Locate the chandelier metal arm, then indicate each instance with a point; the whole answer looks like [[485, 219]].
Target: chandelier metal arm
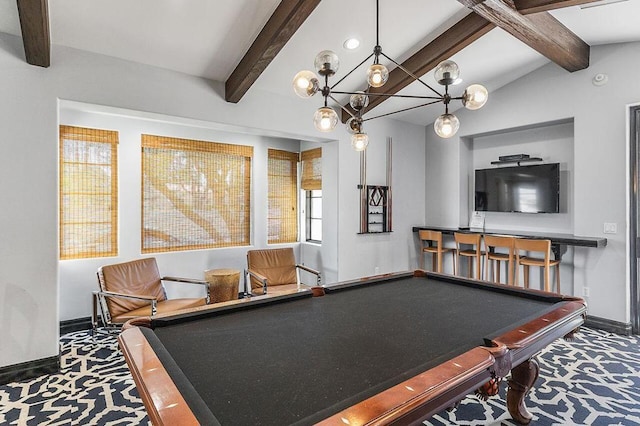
[[389, 95], [354, 68], [342, 107], [402, 110], [412, 75]]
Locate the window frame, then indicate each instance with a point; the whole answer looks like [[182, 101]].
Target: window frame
[[309, 196]]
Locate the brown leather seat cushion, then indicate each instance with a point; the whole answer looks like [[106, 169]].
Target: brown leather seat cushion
[[280, 289], [168, 305]]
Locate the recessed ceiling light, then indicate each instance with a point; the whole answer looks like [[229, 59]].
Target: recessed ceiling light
[[351, 43]]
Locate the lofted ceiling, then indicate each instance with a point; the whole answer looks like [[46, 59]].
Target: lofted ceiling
[[496, 41]]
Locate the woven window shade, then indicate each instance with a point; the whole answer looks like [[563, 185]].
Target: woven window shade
[[311, 169], [88, 193], [195, 194], [283, 197]]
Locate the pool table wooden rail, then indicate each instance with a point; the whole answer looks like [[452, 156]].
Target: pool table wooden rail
[[164, 403]]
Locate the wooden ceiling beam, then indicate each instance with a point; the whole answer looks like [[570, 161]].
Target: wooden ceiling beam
[[280, 27], [540, 31], [527, 7], [34, 24], [460, 35]]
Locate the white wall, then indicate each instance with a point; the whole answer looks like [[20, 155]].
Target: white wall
[[29, 287], [361, 254], [549, 95]]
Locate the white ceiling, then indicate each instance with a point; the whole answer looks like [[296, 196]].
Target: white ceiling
[[208, 38]]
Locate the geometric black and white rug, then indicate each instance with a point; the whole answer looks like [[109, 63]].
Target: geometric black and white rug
[[592, 380], [94, 387]]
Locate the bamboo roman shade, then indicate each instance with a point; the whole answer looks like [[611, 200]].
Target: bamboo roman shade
[[88, 192], [283, 196], [311, 169], [195, 194]]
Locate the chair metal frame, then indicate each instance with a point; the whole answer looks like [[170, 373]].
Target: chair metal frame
[[104, 323], [248, 273]]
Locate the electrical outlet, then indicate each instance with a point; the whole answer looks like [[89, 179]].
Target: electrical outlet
[[585, 291], [376, 270], [610, 228]]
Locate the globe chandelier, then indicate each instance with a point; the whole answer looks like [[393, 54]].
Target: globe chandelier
[[306, 84]]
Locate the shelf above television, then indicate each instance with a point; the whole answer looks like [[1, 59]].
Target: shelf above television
[[522, 160]]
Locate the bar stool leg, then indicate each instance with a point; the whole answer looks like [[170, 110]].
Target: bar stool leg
[[526, 276], [510, 271], [558, 278], [547, 279]]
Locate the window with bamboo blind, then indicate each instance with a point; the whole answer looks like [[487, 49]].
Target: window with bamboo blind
[[312, 185], [283, 196], [195, 194], [88, 192]]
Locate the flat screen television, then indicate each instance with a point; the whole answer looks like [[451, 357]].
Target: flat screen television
[[522, 189]]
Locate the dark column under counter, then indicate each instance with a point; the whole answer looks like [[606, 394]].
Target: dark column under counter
[[559, 242]]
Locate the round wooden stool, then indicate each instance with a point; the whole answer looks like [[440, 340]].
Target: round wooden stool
[[223, 284]]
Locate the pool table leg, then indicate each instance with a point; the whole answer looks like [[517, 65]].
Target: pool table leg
[[522, 378]]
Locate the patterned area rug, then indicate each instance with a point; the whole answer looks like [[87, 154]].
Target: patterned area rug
[[592, 380]]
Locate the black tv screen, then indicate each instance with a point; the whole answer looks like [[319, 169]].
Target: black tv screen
[[522, 189]]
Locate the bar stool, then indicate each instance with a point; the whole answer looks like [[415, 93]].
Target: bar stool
[[431, 242], [540, 246], [476, 252], [492, 242]]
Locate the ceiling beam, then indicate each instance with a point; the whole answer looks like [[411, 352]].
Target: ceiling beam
[[460, 35], [34, 24], [540, 31], [526, 7], [280, 27]]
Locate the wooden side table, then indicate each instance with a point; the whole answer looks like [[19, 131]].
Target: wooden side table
[[223, 284]]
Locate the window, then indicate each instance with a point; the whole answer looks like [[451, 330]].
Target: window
[[283, 196], [313, 216], [312, 185], [195, 194], [88, 193]]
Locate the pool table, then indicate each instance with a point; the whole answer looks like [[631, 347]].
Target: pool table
[[391, 349]]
